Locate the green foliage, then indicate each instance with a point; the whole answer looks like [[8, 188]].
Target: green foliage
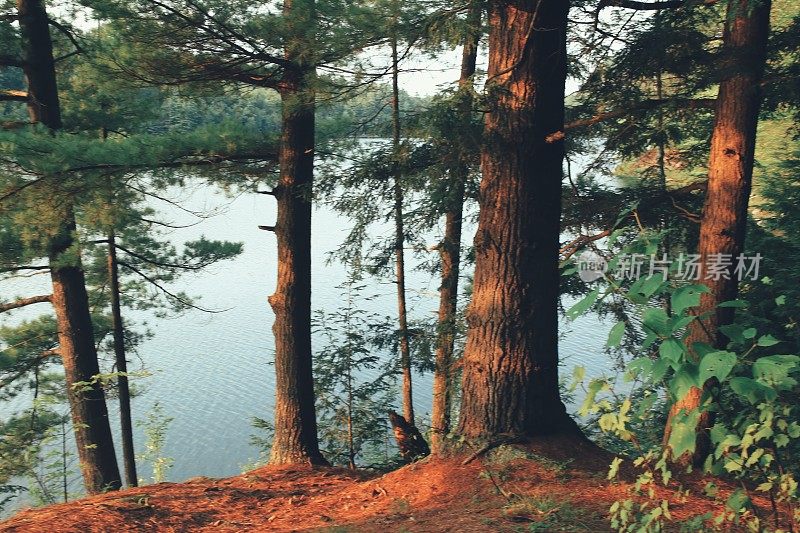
[[155, 426], [751, 389], [354, 385]]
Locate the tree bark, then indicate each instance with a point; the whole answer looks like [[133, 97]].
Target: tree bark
[[123, 388], [79, 356], [450, 248], [70, 301], [38, 64], [510, 376], [410, 442], [730, 173], [399, 242], [295, 440]]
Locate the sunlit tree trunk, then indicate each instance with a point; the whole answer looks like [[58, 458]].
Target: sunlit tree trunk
[[450, 248], [76, 346], [510, 370], [730, 173], [295, 439]]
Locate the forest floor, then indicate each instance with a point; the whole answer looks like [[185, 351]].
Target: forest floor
[[508, 489]]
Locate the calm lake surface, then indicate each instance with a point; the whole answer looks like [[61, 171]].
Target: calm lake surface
[[212, 373]]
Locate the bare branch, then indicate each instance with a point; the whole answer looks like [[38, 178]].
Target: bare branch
[[22, 302], [682, 103], [176, 297]]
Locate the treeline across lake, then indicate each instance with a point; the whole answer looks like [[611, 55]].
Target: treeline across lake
[[109, 104]]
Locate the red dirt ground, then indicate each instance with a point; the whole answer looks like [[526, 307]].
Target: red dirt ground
[[509, 489]]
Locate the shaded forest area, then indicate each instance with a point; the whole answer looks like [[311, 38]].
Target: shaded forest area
[[630, 160]]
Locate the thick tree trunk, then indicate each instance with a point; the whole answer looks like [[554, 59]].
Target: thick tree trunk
[[450, 248], [70, 301], [295, 439], [123, 389], [730, 173], [79, 357], [38, 64], [399, 242], [510, 376]]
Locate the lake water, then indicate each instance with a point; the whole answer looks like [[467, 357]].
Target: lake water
[[212, 373]]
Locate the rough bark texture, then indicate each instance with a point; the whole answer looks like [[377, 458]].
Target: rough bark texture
[[123, 389], [399, 242], [38, 64], [90, 422], [730, 172], [510, 376], [79, 356], [450, 249], [295, 439]]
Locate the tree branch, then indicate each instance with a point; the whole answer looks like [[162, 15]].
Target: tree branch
[[647, 105], [11, 95], [18, 268], [177, 298], [22, 302]]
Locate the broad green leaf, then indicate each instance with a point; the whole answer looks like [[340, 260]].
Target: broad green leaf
[[733, 331], [752, 390], [767, 340], [775, 368], [672, 349], [583, 305], [716, 364], [679, 322], [683, 434], [686, 297], [702, 348], [684, 379], [738, 500], [641, 365], [615, 335], [749, 333], [656, 320]]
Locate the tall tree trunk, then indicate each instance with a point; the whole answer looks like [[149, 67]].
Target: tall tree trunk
[[70, 301], [123, 389], [510, 376], [730, 173], [295, 438], [38, 64], [399, 242], [79, 356], [450, 248]]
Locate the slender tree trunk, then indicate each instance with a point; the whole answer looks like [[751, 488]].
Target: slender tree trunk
[[730, 173], [510, 376], [351, 450], [123, 389], [70, 300], [295, 438], [399, 242], [450, 248]]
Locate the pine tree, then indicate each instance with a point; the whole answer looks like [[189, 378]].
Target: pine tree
[[510, 369]]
